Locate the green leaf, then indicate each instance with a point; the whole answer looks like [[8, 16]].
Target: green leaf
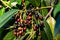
[[35, 2], [56, 10], [44, 12], [51, 21], [48, 31], [26, 3], [19, 1], [2, 11], [9, 35], [4, 18]]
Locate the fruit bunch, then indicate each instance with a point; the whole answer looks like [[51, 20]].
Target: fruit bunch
[[29, 20], [21, 25]]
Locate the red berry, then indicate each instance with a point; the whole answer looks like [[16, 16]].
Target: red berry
[[15, 33], [24, 21], [18, 20], [24, 28], [35, 28], [29, 22], [40, 17], [20, 32], [0, 6], [29, 17]]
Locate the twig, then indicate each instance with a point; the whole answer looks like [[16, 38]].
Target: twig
[[49, 13], [4, 3]]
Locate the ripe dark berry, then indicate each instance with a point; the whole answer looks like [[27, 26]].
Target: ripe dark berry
[[24, 28], [24, 21], [0, 6], [29, 22], [33, 12], [18, 20], [22, 34], [21, 25], [36, 16], [40, 17], [35, 28]]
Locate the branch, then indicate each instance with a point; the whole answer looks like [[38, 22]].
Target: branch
[[49, 13]]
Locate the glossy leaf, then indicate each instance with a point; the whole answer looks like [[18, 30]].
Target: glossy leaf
[[56, 10], [4, 18], [51, 21]]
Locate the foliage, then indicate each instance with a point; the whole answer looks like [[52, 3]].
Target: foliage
[[50, 30]]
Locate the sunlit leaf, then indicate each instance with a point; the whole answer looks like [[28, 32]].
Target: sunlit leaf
[[2, 11], [51, 21]]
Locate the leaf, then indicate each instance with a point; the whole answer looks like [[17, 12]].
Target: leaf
[[57, 26], [9, 35], [48, 31], [2, 11], [44, 12], [26, 3], [35, 2], [4, 18], [51, 21], [19, 1], [58, 37], [56, 10]]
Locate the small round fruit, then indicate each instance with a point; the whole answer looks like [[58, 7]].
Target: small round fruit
[[35, 28], [18, 20], [0, 6], [29, 22], [39, 33], [15, 33], [29, 17], [24, 28], [25, 21], [36, 16], [20, 32], [40, 17], [19, 28]]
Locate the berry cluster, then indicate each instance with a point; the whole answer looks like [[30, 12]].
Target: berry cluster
[[20, 24]]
